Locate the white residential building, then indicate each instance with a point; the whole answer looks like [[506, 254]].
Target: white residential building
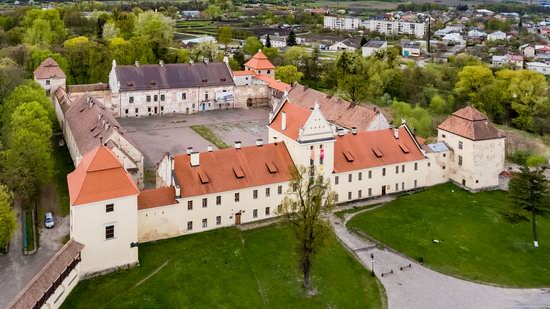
[[372, 47], [540, 67], [341, 23], [497, 35], [395, 27]]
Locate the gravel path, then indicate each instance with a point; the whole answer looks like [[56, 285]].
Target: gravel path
[[420, 287]]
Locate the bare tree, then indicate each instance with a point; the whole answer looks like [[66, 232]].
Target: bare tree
[[308, 199]]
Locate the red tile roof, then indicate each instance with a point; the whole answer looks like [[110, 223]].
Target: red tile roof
[[157, 197], [470, 123], [273, 83], [259, 62], [374, 148], [296, 117], [243, 73], [48, 69], [336, 110], [99, 176], [233, 169]]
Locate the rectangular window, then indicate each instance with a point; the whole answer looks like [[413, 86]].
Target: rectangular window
[[415, 183], [109, 232], [255, 194], [360, 194], [360, 176], [267, 192], [206, 96], [126, 111], [397, 169], [416, 166], [47, 82], [349, 195], [204, 202], [460, 160], [137, 111], [255, 213], [336, 197], [204, 223], [370, 191], [370, 174], [148, 109], [189, 225], [396, 187], [280, 190], [218, 220], [403, 186], [156, 97], [189, 205], [131, 100], [218, 200], [280, 208], [336, 180], [109, 207], [184, 96], [267, 211], [443, 135], [162, 97], [350, 177], [384, 171], [460, 145], [237, 197], [148, 98], [403, 168]]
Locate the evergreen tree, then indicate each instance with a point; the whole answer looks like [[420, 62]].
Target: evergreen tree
[[267, 42], [291, 39], [529, 191]]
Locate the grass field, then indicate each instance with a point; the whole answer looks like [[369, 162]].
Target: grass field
[[231, 269], [63, 166], [476, 241], [208, 135]]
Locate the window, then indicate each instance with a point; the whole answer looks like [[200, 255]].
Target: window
[[370, 191], [396, 187], [109, 232], [397, 169], [336, 197], [460, 160], [255, 213], [206, 96], [47, 82], [350, 177], [162, 108], [189, 205], [131, 100], [267, 211], [204, 223], [237, 197], [280, 208], [204, 202], [268, 71], [443, 135], [360, 194], [126, 111], [403, 168], [429, 164], [415, 183], [156, 97], [349, 195], [384, 171], [460, 145], [294, 187], [148, 109], [444, 155], [137, 111], [109, 207], [189, 225], [148, 98], [162, 97], [218, 220], [184, 96], [370, 174], [267, 192], [280, 190], [402, 186], [218, 200], [255, 194], [360, 176], [416, 166]]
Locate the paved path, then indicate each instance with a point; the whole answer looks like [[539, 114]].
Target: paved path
[[420, 287], [16, 269]]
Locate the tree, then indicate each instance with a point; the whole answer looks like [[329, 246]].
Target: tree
[[529, 191], [417, 118], [363, 41], [213, 12], [267, 41], [252, 45], [155, 26], [8, 221], [225, 35], [472, 83], [303, 210], [43, 27], [110, 31], [527, 89], [295, 56], [11, 75], [291, 39], [288, 74], [352, 88]]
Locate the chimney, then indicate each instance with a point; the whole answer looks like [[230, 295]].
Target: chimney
[[225, 59], [161, 63], [270, 116], [189, 150], [283, 121], [354, 130], [238, 145], [259, 142], [195, 158], [209, 148], [136, 63], [275, 140], [340, 132], [191, 61], [178, 192], [205, 60], [316, 106], [396, 133], [403, 120]]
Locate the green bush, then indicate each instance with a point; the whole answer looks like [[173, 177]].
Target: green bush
[[536, 160]]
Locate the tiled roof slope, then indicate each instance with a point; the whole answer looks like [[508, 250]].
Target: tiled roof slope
[[99, 176], [470, 123], [176, 75], [157, 197], [273, 83], [336, 110], [48, 69], [296, 117], [233, 169], [47, 276], [374, 148], [259, 62]]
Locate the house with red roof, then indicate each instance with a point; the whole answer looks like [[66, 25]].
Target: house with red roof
[[50, 76]]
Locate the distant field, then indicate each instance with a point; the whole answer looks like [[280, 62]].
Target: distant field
[[390, 5]]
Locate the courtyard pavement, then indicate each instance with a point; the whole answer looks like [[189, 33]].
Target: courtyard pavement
[[156, 135], [16, 269], [420, 287]]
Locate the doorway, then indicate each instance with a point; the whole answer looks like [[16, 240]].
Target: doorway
[[383, 190], [187, 110], [464, 182], [238, 218]]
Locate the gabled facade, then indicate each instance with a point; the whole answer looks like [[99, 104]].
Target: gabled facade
[[50, 76], [260, 64]]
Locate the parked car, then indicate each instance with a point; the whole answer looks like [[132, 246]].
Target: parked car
[[48, 220]]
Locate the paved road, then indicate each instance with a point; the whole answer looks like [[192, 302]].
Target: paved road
[[423, 288], [16, 269]]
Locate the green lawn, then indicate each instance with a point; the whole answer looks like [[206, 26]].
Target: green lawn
[[29, 231], [476, 241], [208, 135], [229, 268], [63, 166]]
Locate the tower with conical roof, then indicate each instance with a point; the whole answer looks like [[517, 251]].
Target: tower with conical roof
[[260, 64]]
